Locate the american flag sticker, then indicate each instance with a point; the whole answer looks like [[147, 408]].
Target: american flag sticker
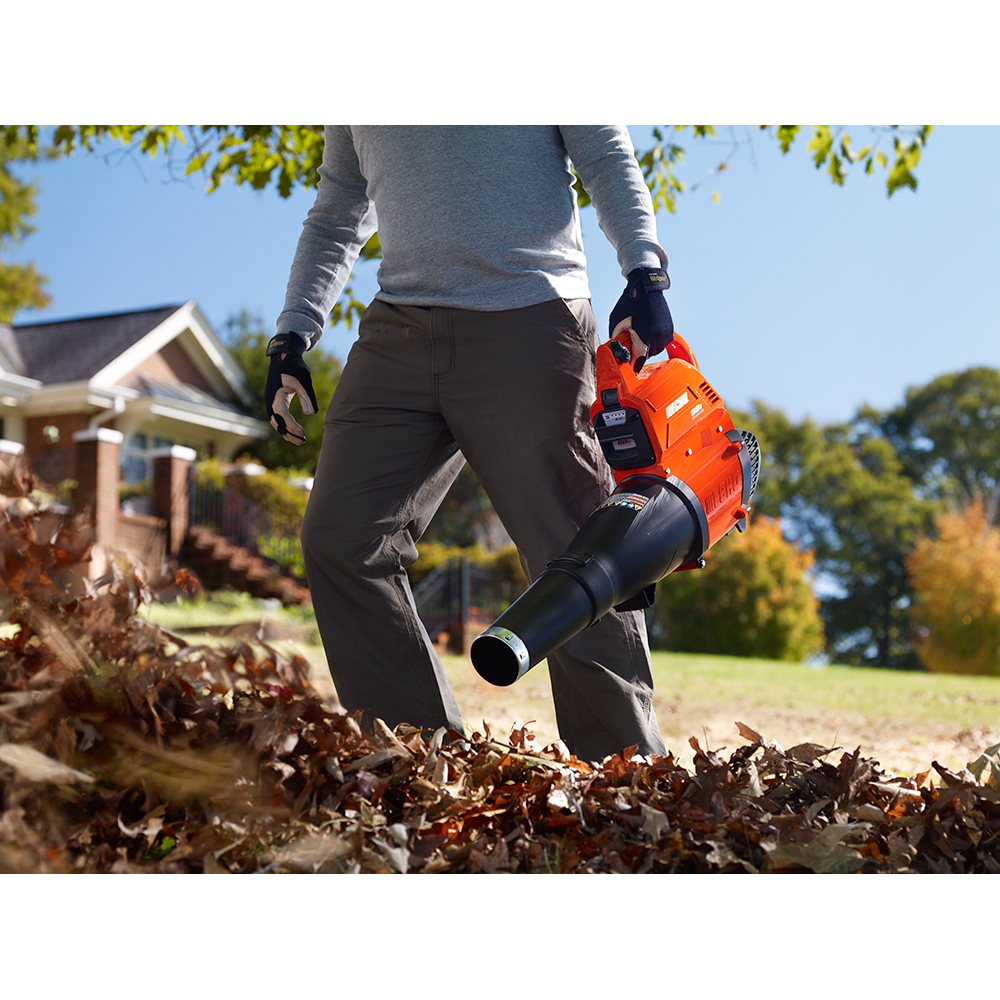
[[634, 500]]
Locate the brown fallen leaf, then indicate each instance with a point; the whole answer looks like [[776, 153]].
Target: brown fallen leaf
[[808, 752], [35, 766], [750, 735]]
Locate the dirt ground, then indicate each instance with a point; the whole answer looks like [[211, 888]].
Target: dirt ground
[[900, 748]]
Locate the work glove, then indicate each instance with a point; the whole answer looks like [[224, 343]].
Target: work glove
[[287, 377], [642, 309]]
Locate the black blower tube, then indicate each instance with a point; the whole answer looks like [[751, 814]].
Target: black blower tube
[[644, 530]]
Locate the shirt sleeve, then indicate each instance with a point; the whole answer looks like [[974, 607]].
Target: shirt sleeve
[[338, 225], [604, 158]]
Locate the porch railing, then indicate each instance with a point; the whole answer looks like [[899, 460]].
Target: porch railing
[[244, 523]]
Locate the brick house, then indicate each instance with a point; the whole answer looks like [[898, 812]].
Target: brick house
[[122, 399]]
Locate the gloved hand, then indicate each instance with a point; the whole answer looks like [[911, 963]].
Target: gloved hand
[[642, 309], [287, 377]]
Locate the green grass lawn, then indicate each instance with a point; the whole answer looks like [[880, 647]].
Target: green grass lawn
[[224, 609], [903, 719], [882, 696]]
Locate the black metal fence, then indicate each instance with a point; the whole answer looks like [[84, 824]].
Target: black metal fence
[[457, 592]]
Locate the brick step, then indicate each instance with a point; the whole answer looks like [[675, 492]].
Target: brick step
[[219, 563]]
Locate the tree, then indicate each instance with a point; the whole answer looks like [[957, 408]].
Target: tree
[[947, 435], [289, 156], [956, 583], [247, 339], [860, 489], [847, 497], [751, 599], [20, 284]]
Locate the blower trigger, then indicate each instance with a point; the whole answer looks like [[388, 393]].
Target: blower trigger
[[639, 602]]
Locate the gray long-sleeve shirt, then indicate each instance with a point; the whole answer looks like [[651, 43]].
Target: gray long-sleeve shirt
[[478, 217]]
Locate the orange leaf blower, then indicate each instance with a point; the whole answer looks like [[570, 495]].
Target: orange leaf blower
[[685, 477]]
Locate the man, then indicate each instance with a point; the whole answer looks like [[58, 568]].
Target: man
[[479, 346]]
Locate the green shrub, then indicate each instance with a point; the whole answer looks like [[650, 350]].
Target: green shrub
[[284, 505], [285, 550], [751, 599], [209, 473], [272, 492]]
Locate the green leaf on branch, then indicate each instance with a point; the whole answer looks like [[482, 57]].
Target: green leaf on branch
[[20, 284], [196, 163], [582, 198], [836, 170], [659, 165], [821, 144], [288, 157], [21, 288], [785, 135], [907, 158], [372, 250], [347, 308]]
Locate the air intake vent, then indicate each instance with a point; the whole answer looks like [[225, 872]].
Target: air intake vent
[[753, 450], [709, 393]]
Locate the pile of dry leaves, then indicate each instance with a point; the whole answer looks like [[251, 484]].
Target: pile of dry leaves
[[124, 748]]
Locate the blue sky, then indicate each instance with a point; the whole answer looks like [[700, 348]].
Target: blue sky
[[812, 298]]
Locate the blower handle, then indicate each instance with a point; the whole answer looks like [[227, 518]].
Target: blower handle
[[677, 348]]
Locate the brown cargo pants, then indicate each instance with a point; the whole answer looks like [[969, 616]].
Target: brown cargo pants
[[423, 390]]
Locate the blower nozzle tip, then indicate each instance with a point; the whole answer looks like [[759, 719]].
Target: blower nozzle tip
[[499, 656]]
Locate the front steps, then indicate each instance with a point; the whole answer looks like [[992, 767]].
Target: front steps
[[219, 563]]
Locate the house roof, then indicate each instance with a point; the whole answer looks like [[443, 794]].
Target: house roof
[[10, 354], [74, 350], [184, 393]]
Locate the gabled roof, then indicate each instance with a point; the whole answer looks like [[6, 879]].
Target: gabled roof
[[10, 354], [12, 382], [99, 352], [74, 350]]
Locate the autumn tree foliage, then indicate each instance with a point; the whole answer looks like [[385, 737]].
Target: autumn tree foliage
[[956, 583], [752, 599]]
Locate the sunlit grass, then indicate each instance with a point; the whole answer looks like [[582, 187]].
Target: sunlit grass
[[223, 609], [881, 695]]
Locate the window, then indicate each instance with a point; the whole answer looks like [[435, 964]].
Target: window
[[134, 460]]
